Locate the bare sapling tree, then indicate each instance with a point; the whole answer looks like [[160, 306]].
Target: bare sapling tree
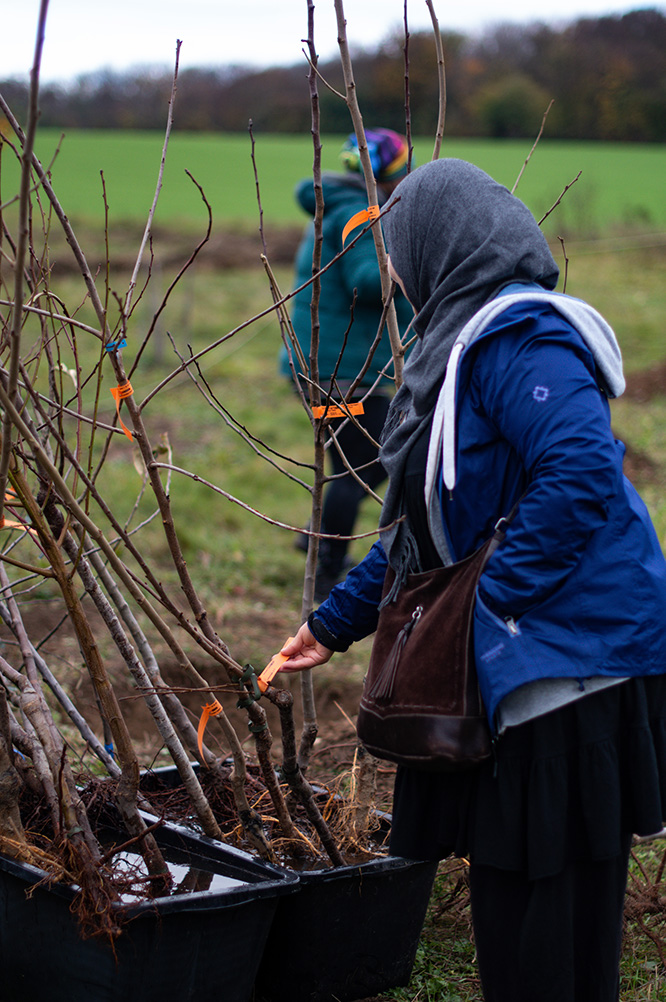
[[306, 371], [61, 533]]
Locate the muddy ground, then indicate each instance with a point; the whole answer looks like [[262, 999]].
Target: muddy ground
[[337, 693]]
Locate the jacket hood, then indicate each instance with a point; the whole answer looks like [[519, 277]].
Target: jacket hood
[[336, 189]]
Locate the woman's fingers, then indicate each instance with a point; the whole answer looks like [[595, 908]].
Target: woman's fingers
[[304, 651]]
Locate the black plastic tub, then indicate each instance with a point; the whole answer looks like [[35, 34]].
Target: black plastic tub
[[347, 933], [352, 932], [202, 946]]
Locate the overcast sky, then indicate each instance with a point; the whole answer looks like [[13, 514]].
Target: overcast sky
[[85, 35]]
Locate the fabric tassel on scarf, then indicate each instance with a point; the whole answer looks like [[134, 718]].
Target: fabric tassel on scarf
[[408, 562], [383, 687]]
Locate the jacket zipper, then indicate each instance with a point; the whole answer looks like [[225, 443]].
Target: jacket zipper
[[512, 626], [508, 622]]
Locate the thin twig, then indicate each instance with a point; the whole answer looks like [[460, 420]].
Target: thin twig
[[160, 176], [555, 204], [371, 186], [21, 248], [257, 316], [325, 82], [566, 263], [63, 318], [188, 264], [253, 511], [441, 76], [536, 142], [408, 107]]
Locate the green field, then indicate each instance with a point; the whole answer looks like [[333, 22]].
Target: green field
[[621, 186]]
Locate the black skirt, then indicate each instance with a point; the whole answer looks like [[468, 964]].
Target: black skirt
[[570, 785]]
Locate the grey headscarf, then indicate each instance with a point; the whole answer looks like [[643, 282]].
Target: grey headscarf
[[455, 237]]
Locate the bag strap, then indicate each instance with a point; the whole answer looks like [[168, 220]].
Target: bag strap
[[503, 522], [501, 526]]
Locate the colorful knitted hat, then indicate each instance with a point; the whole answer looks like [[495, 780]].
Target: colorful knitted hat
[[388, 154]]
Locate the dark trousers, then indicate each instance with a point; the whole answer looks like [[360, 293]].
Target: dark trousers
[[556, 939], [344, 495]]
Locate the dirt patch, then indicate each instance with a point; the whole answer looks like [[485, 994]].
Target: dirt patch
[[639, 467], [226, 248], [643, 386], [338, 689]]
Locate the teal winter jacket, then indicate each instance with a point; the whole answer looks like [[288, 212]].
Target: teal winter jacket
[[356, 272]]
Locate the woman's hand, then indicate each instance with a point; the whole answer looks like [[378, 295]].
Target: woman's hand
[[304, 651]]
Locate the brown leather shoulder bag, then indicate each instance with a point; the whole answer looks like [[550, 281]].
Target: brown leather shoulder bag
[[421, 704]]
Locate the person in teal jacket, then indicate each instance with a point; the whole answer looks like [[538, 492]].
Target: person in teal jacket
[[350, 311], [505, 399]]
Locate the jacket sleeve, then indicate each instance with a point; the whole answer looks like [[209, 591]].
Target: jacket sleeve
[[358, 267], [541, 394], [351, 610]]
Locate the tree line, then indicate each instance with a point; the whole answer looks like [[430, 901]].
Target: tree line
[[605, 76]]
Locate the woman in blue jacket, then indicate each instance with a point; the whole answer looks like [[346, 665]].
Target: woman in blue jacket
[[505, 399]]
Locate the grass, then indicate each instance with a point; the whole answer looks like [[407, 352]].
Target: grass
[[618, 278], [445, 969], [620, 186]]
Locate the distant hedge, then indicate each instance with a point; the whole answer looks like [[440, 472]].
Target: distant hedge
[[606, 77]]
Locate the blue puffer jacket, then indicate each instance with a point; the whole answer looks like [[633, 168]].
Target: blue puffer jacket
[[578, 588]]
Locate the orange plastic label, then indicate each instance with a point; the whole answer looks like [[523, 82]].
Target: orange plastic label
[[273, 667], [209, 710], [119, 393], [338, 410], [8, 523], [364, 216]]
